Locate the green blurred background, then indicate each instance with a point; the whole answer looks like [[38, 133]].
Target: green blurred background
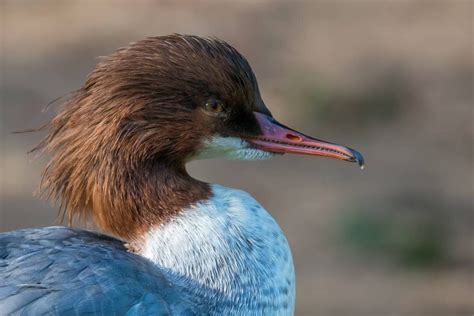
[[393, 79]]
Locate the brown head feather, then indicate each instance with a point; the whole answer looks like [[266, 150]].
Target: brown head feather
[[120, 142]]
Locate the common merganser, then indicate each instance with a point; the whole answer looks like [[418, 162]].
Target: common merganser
[[118, 152]]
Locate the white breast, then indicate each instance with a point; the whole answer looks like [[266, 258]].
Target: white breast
[[227, 253]]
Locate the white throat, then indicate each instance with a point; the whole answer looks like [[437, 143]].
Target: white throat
[[227, 253]]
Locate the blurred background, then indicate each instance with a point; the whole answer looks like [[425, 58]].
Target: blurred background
[[393, 79]]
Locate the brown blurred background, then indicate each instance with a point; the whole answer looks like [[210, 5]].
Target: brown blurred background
[[393, 79]]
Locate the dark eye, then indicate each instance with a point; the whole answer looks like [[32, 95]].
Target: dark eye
[[214, 106]]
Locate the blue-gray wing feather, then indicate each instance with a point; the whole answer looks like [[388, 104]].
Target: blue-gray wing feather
[[65, 271]]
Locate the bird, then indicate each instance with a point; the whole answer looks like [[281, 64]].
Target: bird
[[165, 243]]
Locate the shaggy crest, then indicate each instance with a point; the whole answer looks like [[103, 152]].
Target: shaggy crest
[[120, 142]]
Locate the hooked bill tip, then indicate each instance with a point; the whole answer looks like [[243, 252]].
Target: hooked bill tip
[[358, 158]]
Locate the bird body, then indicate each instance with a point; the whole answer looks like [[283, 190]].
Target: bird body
[[226, 256], [119, 146]]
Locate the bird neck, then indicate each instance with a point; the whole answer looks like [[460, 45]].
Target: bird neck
[[132, 200], [227, 253]]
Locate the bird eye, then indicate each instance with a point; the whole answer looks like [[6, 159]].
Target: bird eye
[[214, 106]]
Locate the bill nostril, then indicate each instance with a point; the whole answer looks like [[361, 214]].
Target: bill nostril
[[294, 137]]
